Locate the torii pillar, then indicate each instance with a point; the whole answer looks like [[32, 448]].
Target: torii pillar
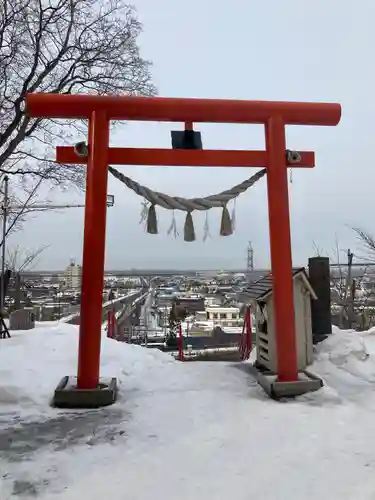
[[99, 110]]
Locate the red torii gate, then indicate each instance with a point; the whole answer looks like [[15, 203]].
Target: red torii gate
[[99, 110]]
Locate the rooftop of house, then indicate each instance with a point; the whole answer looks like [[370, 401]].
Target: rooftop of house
[[263, 286], [220, 308], [256, 275]]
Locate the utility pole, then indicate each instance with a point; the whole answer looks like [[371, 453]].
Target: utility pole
[[250, 258], [350, 289], [4, 233], [348, 295]]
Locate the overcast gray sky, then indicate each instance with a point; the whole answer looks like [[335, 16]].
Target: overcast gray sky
[[299, 50]]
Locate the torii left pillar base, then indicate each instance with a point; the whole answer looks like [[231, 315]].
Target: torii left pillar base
[[67, 394]]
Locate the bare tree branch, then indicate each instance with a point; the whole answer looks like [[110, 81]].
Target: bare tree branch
[[16, 217], [19, 260], [368, 243], [318, 251], [61, 46]]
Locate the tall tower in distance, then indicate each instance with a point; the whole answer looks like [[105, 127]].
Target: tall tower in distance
[[250, 258]]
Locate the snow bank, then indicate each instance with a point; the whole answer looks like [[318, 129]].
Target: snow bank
[[346, 362], [32, 362], [196, 430], [215, 435]]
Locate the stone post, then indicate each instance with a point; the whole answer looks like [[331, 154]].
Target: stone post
[[320, 279]]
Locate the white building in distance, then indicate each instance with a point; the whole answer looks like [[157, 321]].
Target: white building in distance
[[73, 276]]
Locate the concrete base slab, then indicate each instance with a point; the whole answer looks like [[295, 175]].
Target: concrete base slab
[[67, 395], [307, 382]]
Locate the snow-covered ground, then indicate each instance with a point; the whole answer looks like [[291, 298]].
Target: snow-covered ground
[[196, 431]]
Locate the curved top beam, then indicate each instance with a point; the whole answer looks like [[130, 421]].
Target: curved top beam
[[44, 105]]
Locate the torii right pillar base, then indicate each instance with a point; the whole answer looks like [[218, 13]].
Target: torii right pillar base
[[307, 382], [67, 395]]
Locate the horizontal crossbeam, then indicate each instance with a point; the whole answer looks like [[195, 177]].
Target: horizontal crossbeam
[[183, 157], [167, 109]]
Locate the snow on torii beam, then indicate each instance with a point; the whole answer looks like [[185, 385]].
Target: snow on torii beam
[[99, 110]]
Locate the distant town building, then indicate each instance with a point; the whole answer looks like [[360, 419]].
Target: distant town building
[[73, 276]]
